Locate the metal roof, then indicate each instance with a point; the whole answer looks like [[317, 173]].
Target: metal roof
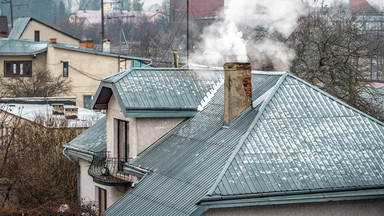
[[186, 161], [91, 141], [19, 26], [296, 138], [21, 47], [92, 51], [21, 23], [305, 140], [143, 92]]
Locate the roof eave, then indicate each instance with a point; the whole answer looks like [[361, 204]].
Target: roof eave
[[159, 113], [25, 53], [309, 197]]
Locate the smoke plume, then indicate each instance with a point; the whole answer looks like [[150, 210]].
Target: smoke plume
[[234, 36]]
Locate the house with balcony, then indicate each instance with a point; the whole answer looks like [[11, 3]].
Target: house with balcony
[[83, 67], [249, 142]]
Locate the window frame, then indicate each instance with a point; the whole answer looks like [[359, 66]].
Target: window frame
[[101, 191], [18, 64], [123, 159], [37, 36], [65, 63]]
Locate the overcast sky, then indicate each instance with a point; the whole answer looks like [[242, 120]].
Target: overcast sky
[[380, 3]]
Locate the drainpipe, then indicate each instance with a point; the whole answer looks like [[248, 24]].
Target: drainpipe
[[78, 174]]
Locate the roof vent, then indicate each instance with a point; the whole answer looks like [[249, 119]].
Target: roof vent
[[58, 109], [71, 112], [237, 89]]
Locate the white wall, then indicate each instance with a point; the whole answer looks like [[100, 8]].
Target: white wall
[[142, 131], [88, 187], [347, 208]]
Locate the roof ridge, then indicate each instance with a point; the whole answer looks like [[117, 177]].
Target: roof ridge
[[342, 103], [245, 135], [118, 75]]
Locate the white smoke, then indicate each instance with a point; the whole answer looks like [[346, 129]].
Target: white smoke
[[225, 40]]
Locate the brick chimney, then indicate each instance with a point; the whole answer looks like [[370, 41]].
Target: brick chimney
[[52, 40], [237, 89], [106, 45]]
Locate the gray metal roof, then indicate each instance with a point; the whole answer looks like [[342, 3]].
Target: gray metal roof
[[145, 92], [92, 51], [91, 141], [295, 138], [19, 26], [305, 140], [21, 23], [21, 47]]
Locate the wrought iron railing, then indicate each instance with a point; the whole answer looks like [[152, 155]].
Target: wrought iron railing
[[108, 171]]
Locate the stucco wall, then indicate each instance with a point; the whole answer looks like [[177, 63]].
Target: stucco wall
[[46, 33], [85, 70], [38, 63], [347, 208], [88, 187], [142, 131]]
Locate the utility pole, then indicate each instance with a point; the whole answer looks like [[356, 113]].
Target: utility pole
[[188, 33], [102, 21], [11, 8]]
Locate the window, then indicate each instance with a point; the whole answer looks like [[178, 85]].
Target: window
[[37, 36], [18, 68], [122, 142], [65, 69], [102, 199], [87, 101]]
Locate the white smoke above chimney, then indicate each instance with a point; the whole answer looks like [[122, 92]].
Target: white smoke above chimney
[[225, 41]]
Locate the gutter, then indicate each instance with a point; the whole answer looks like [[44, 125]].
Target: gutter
[[275, 194], [309, 197], [78, 173]]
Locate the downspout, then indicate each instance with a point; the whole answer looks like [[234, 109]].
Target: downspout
[[78, 174]]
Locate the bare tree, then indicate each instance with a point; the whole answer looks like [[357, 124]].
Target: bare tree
[[328, 46], [41, 84]]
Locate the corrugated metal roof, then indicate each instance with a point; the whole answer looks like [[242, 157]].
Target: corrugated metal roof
[[298, 139], [19, 26], [92, 51], [21, 47], [186, 161], [90, 141], [306, 140], [163, 89]]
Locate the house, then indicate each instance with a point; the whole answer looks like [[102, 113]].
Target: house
[[250, 143], [136, 101], [33, 29], [199, 9], [84, 67]]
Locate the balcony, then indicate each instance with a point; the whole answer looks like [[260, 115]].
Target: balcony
[[108, 171]]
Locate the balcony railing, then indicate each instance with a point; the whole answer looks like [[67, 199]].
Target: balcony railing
[[108, 171]]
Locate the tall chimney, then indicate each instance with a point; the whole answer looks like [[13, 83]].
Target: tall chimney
[[237, 89]]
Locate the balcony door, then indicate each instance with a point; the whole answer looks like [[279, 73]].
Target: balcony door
[[122, 142]]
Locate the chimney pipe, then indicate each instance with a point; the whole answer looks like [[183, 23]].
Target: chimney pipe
[[237, 89], [52, 40]]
